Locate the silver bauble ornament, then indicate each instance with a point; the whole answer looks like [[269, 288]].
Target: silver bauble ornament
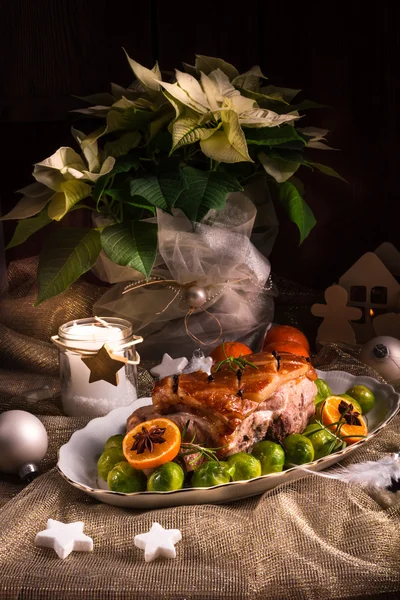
[[23, 443], [383, 355], [195, 296]]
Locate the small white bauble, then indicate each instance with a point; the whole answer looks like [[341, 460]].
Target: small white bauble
[[195, 296], [23, 443], [383, 355]]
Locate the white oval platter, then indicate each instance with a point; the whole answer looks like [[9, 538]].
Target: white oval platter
[[77, 459]]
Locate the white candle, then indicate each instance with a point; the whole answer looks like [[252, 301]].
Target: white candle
[[79, 397]]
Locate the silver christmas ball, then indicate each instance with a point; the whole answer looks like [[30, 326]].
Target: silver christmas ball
[[383, 355], [196, 296], [23, 443]]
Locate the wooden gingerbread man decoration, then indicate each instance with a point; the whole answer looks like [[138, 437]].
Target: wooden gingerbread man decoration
[[336, 327]]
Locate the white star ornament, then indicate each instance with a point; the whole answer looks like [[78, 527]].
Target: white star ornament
[[158, 542], [169, 366], [63, 538]]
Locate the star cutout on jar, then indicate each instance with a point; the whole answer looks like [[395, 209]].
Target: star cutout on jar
[[158, 542], [63, 538], [104, 366]]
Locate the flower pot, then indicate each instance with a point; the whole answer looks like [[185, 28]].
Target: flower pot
[[216, 256]]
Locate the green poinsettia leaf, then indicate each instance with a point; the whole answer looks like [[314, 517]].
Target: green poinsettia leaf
[[295, 145], [161, 144], [28, 227], [280, 93], [273, 136], [299, 185], [296, 156], [304, 105], [99, 187], [124, 115], [67, 255], [124, 196], [297, 209], [164, 116], [128, 119], [326, 170], [150, 189], [205, 190], [131, 244], [123, 144], [161, 191], [123, 164], [72, 191]]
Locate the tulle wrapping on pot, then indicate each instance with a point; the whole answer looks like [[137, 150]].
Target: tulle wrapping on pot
[[216, 255]]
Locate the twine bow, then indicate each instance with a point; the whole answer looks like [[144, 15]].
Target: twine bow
[[182, 291]]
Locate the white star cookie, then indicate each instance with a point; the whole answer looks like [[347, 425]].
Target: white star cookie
[[64, 538], [158, 542], [169, 366]]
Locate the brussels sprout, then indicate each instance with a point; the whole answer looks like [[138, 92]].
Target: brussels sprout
[[323, 388], [270, 455], [311, 428], [115, 441], [323, 441], [211, 473], [299, 450], [166, 477], [318, 399], [244, 466], [124, 478], [364, 396], [108, 460]]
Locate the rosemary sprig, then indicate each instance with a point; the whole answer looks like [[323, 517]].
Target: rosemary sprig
[[336, 444], [193, 448], [240, 362]]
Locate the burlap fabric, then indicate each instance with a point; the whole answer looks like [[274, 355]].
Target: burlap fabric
[[314, 538]]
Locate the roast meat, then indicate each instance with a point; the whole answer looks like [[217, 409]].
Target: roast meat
[[234, 409]]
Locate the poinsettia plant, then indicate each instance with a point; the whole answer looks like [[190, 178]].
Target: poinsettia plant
[[164, 145]]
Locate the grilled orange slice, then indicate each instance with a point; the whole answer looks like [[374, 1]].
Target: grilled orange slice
[[347, 424], [152, 443]]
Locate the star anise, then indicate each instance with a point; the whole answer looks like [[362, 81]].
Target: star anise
[[145, 439], [350, 415]]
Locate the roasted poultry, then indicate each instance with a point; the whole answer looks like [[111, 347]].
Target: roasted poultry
[[233, 410]]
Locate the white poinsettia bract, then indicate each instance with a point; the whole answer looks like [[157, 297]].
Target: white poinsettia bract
[[212, 111]]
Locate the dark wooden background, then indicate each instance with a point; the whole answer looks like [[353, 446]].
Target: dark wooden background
[[341, 54]]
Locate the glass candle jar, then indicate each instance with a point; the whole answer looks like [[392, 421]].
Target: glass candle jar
[[77, 340]]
